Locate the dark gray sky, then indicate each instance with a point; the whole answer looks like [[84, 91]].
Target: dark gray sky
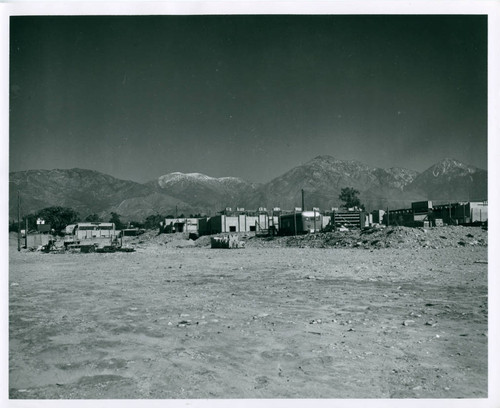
[[137, 97]]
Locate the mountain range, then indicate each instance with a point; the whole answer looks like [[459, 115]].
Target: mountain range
[[322, 179]]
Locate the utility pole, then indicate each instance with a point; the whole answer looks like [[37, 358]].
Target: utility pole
[[26, 234], [295, 221], [18, 222], [303, 206], [279, 222]]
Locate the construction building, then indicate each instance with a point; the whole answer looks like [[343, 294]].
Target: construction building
[[189, 225], [376, 217], [37, 240], [421, 213], [266, 222], [463, 213], [87, 230], [350, 218], [424, 213], [238, 221]]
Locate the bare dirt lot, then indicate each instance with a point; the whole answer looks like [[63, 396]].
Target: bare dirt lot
[[284, 318]]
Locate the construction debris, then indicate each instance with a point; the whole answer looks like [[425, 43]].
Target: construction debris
[[227, 241], [377, 238]]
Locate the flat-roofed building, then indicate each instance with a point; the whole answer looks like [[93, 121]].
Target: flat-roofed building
[[188, 225], [85, 230]]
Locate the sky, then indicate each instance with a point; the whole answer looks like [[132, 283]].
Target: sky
[[250, 96]]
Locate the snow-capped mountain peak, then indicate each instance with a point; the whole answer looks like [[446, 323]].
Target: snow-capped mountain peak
[[450, 166]]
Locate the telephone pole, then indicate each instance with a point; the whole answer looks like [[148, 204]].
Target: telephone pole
[[295, 221], [26, 234], [18, 222]]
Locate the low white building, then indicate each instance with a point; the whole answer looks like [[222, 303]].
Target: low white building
[[87, 230]]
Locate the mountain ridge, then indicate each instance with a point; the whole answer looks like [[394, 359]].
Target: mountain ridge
[[321, 178]]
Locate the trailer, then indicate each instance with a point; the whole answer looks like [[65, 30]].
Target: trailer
[[90, 236], [301, 222]]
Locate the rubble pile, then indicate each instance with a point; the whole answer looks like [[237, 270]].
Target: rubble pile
[[153, 238], [368, 238], [226, 241], [374, 238]]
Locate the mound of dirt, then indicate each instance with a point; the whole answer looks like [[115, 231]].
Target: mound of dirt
[[203, 241], [391, 237], [371, 238], [152, 239]]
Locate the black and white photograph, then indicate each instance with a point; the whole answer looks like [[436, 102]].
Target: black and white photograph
[[252, 204]]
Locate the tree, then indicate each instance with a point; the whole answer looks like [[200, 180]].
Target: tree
[[115, 218], [92, 218], [31, 221], [136, 224], [13, 227], [350, 198], [152, 221], [58, 217]]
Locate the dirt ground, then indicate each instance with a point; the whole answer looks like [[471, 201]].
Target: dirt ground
[[281, 318]]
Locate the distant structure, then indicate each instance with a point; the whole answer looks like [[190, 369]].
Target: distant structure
[[41, 237], [41, 226], [262, 221], [464, 213], [425, 214], [189, 225], [350, 218], [300, 222], [376, 217], [87, 230], [259, 221]]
